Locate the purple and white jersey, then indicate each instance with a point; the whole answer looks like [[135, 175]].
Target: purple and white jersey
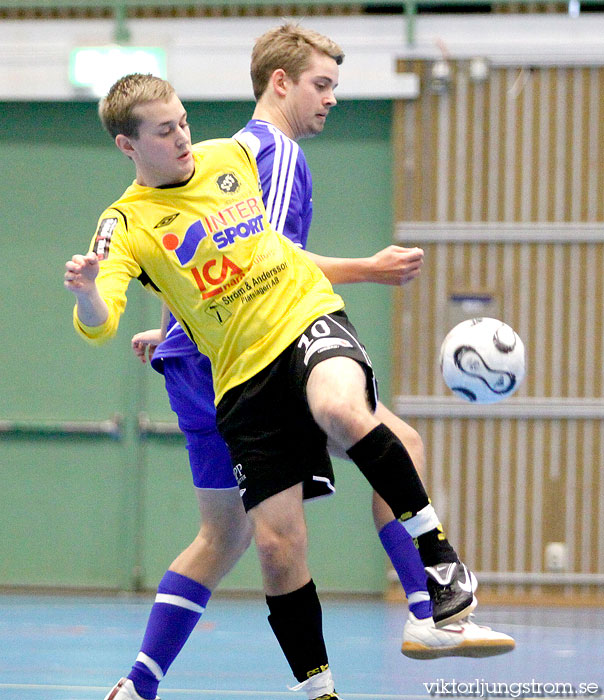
[[285, 179], [287, 195]]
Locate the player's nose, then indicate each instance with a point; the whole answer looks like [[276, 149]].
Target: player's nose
[[330, 100], [182, 137]]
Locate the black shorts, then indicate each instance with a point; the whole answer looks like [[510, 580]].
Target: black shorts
[[272, 437]]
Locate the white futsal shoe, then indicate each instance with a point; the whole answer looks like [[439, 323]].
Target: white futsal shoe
[[422, 640], [124, 690]]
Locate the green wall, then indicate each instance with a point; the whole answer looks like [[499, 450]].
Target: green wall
[[94, 511]]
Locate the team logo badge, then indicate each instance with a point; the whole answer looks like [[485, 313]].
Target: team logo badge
[[166, 220], [102, 240], [228, 183]]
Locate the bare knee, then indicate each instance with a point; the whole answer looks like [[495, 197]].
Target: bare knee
[[410, 438], [230, 541], [225, 526], [281, 541], [336, 392], [341, 420], [415, 447], [218, 546], [279, 548]]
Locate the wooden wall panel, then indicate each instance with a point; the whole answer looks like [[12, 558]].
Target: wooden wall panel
[[500, 180]]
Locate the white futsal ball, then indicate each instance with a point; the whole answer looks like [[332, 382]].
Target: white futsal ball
[[482, 360]]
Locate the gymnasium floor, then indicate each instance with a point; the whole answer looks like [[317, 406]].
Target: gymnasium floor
[[75, 648]]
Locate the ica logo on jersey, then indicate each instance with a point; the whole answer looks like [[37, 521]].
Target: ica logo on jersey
[[216, 276]]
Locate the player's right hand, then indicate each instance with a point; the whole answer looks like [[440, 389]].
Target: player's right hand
[[81, 272], [396, 265]]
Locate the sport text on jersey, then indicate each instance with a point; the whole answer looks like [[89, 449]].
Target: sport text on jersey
[[238, 220]]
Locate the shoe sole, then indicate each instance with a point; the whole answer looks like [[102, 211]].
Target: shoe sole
[[476, 650], [459, 615]]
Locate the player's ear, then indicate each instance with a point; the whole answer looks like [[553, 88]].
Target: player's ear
[[279, 81], [124, 144]]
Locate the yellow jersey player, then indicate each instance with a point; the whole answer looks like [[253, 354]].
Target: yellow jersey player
[[199, 247], [289, 371]]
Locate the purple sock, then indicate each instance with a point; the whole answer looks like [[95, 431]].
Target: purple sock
[[406, 561], [179, 603]]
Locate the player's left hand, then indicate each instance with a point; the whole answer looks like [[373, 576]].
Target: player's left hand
[[144, 344], [396, 265]]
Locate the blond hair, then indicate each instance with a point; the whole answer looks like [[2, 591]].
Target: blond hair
[[289, 47], [116, 110]]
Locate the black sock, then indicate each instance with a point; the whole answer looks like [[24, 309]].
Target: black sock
[[387, 466], [297, 622], [434, 548]]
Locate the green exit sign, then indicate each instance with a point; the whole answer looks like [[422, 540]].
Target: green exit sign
[[96, 68]]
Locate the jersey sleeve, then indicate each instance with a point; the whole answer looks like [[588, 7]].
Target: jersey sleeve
[[117, 268]]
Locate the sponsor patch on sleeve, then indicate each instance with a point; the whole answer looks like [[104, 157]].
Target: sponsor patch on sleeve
[[102, 240]]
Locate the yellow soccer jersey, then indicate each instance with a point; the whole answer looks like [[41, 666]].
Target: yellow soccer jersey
[[240, 290]]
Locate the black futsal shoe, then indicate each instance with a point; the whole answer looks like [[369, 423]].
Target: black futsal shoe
[[451, 587]]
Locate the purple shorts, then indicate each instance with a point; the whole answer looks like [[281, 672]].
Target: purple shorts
[[191, 393]]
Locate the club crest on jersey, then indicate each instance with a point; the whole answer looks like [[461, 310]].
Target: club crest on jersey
[[102, 240], [227, 183], [166, 220]]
